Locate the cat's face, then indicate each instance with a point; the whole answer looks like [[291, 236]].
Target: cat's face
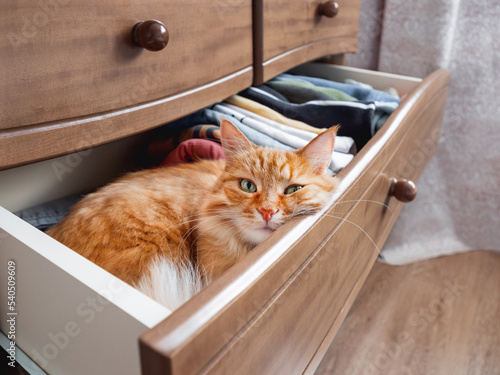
[[266, 187]]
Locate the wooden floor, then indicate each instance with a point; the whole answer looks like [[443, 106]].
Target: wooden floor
[[435, 317]]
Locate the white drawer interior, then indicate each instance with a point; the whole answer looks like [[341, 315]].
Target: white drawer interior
[[41, 182], [71, 316]]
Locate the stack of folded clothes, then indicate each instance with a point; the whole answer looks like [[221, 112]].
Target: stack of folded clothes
[[357, 108], [286, 113]]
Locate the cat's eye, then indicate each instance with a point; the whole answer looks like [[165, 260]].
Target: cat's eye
[[293, 188], [247, 186]]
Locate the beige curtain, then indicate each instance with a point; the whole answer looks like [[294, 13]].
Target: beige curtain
[[458, 204]]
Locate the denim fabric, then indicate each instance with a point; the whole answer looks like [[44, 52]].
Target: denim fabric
[[48, 214]]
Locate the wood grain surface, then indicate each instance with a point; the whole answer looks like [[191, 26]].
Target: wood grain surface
[[34, 143], [411, 148], [434, 317], [270, 295], [294, 32], [81, 59]]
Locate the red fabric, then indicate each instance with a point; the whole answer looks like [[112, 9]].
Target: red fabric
[[193, 150]]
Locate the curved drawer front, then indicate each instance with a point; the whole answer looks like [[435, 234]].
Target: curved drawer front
[[289, 296], [74, 59], [296, 31]]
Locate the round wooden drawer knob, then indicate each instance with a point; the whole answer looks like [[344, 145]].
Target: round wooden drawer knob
[[403, 190], [328, 9], [151, 35]]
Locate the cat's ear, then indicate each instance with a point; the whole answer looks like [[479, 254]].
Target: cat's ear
[[233, 141], [319, 151]]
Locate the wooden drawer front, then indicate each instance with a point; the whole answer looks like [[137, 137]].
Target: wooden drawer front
[[286, 300], [408, 151], [294, 32], [83, 60], [72, 64]]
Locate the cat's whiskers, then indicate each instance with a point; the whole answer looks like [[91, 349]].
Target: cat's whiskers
[[224, 213], [200, 221], [172, 227], [358, 226], [229, 224], [293, 212], [363, 200], [169, 228], [310, 211]]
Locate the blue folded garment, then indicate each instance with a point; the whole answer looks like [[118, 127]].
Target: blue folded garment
[[48, 214], [358, 92]]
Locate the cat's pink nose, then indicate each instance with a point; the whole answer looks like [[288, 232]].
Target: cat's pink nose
[[266, 214]]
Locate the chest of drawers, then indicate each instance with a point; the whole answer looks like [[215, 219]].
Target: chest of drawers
[[77, 82]]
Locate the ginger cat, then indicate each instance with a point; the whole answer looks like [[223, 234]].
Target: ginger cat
[[197, 219]]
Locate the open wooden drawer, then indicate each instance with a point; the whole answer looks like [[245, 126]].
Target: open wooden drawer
[[275, 312]]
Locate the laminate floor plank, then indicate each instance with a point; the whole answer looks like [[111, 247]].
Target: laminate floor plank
[[440, 316]]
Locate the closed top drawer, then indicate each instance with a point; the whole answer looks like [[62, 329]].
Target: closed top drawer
[[297, 31], [68, 63]]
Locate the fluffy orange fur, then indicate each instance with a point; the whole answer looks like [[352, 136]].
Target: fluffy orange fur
[[199, 212]]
